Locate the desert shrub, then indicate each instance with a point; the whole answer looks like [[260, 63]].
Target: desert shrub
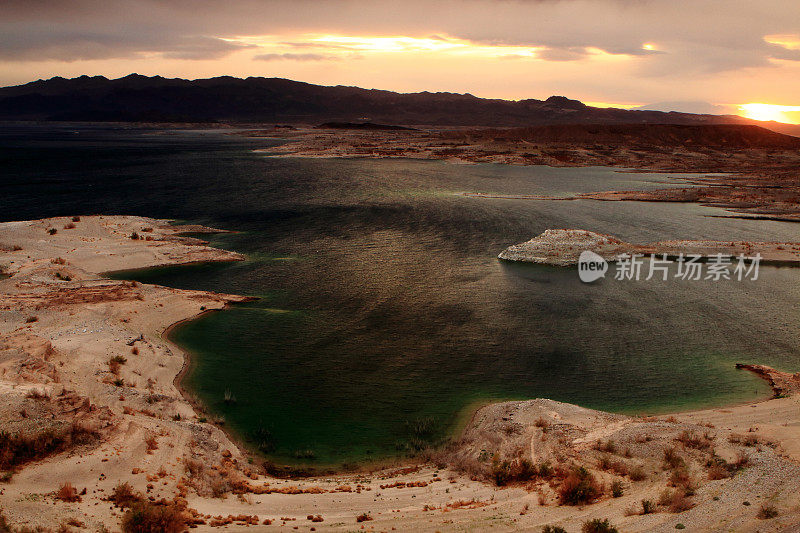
[[52, 231], [553, 529], [672, 460], [59, 261], [363, 517], [63, 277], [545, 471], [67, 493], [666, 497], [151, 443], [608, 446], [135, 236], [123, 496], [542, 423], [517, 470], [767, 511], [598, 526], [31, 319], [741, 461], [36, 394], [718, 471], [76, 219], [18, 449], [680, 478], [648, 506], [118, 359], [146, 517], [746, 440], [616, 489], [692, 440], [579, 487], [680, 502]]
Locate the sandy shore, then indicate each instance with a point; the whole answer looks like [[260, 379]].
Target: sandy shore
[[85, 357]]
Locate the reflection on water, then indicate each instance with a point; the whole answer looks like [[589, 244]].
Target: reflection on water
[[384, 311]]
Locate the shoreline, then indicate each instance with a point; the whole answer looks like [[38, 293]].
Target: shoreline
[[151, 435]]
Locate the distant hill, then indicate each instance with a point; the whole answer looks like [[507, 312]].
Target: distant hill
[[136, 98], [714, 136]]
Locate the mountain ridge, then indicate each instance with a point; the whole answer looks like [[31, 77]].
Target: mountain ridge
[[138, 98]]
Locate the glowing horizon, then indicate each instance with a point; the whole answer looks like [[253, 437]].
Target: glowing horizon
[[771, 112]]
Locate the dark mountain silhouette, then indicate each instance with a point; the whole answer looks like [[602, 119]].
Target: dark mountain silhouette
[[137, 98]]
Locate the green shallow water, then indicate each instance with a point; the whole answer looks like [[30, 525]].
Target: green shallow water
[[374, 338], [384, 315]]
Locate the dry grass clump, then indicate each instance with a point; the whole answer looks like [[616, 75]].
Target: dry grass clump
[[67, 493], [147, 517], [578, 488], [767, 511]]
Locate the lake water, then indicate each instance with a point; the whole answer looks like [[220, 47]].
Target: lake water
[[384, 315]]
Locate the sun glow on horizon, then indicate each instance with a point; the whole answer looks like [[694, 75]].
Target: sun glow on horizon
[[788, 41], [766, 112]]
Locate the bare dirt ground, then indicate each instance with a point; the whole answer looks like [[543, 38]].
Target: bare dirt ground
[[90, 403]]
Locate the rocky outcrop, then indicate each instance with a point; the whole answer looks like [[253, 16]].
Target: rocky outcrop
[[563, 247]]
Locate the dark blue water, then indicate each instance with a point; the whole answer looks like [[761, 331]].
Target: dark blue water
[[384, 313]]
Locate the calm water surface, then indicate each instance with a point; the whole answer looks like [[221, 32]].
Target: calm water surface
[[384, 313]]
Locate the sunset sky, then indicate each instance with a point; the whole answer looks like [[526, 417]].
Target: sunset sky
[[721, 56]]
